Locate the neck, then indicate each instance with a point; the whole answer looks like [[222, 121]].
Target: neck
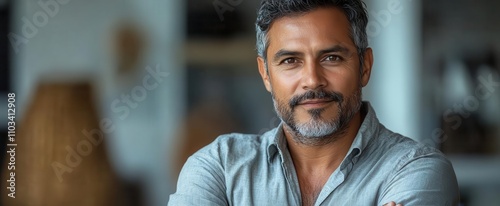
[[324, 157]]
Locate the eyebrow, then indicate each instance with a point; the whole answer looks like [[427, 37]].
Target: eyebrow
[[283, 52], [334, 49]]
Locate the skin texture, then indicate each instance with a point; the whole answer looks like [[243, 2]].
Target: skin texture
[[392, 204], [314, 52]]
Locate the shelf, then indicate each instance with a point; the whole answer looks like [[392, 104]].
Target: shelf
[[239, 52]]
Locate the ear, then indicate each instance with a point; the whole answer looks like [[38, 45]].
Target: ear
[[367, 66], [264, 73]]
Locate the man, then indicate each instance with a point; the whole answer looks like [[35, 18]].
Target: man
[[330, 148]]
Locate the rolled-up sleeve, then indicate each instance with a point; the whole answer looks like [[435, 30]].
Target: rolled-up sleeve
[[201, 181], [425, 180]]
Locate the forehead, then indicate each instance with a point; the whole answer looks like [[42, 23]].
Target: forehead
[[321, 27]]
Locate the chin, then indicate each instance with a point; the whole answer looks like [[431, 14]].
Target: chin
[[317, 128], [321, 114]]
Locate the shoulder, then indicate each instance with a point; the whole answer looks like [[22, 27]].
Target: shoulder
[[237, 143], [233, 147], [416, 171], [203, 178], [403, 150], [404, 157]]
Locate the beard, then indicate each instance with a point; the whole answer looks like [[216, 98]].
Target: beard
[[317, 130]]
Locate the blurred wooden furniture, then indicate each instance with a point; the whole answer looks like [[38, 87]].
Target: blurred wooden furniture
[[56, 163]]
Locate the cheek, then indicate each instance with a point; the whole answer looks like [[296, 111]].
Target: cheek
[[345, 78], [284, 86]]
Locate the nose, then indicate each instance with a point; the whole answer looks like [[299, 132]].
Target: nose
[[313, 77]]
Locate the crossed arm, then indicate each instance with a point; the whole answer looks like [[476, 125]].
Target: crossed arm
[[427, 180], [423, 181], [392, 204]]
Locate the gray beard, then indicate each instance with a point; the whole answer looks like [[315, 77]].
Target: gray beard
[[318, 131]]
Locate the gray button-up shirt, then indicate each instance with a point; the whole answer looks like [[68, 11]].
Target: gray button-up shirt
[[381, 166]]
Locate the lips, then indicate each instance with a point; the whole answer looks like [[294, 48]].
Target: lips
[[315, 101]]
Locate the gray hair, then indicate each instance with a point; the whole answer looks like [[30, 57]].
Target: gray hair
[[270, 10]]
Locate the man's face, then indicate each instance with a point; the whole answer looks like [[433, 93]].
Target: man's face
[[314, 72]]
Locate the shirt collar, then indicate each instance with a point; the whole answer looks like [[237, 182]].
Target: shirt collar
[[369, 128], [367, 131], [278, 143]]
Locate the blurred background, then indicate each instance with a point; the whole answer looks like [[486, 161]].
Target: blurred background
[[113, 96]]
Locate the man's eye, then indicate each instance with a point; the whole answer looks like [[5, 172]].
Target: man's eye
[[289, 61], [333, 58]]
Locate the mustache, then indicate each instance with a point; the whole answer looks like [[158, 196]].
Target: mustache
[[316, 94]]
